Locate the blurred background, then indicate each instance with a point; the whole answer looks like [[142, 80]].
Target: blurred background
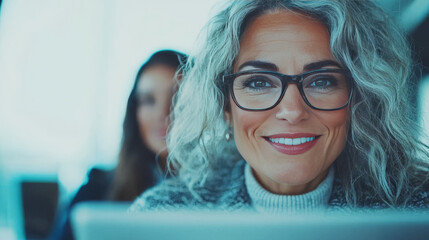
[[66, 69]]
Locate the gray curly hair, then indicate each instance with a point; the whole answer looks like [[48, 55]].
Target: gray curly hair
[[383, 155]]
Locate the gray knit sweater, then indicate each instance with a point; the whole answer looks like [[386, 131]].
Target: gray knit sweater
[[266, 202], [229, 192]]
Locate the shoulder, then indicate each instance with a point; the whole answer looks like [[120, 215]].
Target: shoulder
[[99, 178], [420, 199], [226, 191], [171, 193], [99, 175], [96, 187]]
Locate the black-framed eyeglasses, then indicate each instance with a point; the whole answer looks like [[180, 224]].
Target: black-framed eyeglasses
[[322, 89]]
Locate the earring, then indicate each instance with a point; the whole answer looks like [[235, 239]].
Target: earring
[[228, 134]]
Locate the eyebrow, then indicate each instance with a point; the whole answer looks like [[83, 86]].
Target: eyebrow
[[272, 67], [320, 64], [260, 64]]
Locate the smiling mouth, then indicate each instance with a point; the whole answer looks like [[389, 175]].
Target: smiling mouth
[[292, 141], [292, 145]]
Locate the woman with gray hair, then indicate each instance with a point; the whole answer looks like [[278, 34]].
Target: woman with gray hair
[[295, 106]]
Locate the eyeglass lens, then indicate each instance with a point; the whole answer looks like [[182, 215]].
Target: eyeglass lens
[[325, 90]]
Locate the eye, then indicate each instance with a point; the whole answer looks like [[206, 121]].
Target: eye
[[321, 82], [252, 84], [257, 82], [146, 100]]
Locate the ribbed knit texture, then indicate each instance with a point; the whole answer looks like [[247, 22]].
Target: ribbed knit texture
[[230, 192], [266, 202]]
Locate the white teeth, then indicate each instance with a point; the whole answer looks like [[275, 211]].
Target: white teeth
[[288, 141], [292, 141]]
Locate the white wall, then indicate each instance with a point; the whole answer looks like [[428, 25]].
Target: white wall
[[66, 69]]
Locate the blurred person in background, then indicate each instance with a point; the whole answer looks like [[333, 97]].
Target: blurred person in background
[[142, 158]]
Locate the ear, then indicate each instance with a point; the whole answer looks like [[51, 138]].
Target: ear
[[228, 117]]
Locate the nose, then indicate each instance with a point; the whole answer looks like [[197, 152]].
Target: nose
[[292, 107]]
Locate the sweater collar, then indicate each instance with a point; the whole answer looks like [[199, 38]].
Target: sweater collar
[[265, 201]]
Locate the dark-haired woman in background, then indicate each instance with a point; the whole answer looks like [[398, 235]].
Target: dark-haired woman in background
[[143, 152]]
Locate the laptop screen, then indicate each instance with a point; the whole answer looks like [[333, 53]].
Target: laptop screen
[[111, 221]]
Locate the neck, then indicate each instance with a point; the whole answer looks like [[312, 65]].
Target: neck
[[290, 189]]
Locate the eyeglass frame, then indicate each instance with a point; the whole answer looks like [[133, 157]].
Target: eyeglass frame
[[228, 80]]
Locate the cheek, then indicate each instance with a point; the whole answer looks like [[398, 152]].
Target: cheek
[[144, 122], [336, 123], [242, 122], [246, 127]]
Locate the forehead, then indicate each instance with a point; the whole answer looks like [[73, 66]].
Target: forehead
[[284, 33], [156, 77]]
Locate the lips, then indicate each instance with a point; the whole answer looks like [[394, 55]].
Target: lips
[[292, 144]]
